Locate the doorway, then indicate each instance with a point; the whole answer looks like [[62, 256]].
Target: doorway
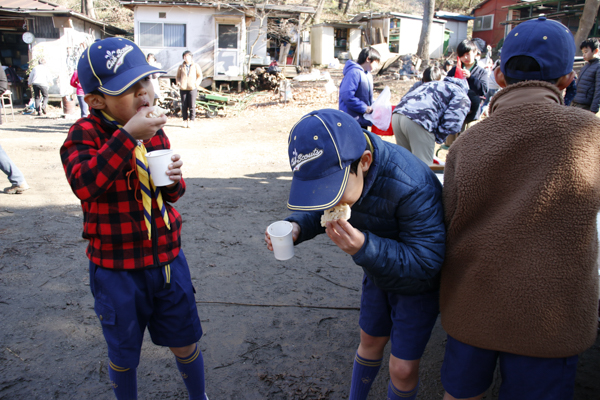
[[227, 57]]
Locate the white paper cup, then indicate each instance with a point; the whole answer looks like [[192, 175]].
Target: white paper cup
[[281, 238], [158, 163]]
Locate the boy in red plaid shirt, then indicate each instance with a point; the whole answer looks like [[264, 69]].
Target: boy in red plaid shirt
[[138, 274]]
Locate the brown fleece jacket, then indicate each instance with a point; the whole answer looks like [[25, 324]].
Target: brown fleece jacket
[[521, 195]]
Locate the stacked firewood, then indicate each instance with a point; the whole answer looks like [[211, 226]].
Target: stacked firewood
[[261, 79], [169, 98]]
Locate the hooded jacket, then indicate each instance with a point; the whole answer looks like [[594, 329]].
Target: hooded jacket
[[438, 106], [401, 215], [588, 85], [521, 196], [356, 92]]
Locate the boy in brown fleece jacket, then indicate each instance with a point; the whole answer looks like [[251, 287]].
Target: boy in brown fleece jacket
[[519, 284]]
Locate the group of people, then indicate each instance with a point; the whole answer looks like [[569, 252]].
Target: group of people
[[506, 252], [437, 112]]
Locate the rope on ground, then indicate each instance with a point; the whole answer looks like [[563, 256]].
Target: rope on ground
[[227, 303]]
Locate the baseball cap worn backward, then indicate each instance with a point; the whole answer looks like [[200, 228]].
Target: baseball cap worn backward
[[549, 42], [112, 66], [321, 147]]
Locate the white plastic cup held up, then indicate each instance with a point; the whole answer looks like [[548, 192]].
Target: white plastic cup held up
[[158, 163], [281, 238]]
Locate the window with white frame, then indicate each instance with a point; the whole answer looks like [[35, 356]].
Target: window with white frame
[[162, 35], [483, 23]]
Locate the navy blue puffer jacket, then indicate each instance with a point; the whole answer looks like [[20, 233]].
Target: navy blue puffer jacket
[[588, 85], [401, 214]]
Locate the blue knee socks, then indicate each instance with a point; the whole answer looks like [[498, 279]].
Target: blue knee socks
[[395, 394], [124, 381], [363, 375], [192, 372]]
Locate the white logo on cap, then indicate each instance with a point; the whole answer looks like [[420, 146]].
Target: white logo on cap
[[299, 159], [117, 57]]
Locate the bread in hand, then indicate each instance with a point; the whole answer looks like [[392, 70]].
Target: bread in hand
[[341, 211]]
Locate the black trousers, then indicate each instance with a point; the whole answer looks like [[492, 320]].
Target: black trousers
[[188, 103], [43, 90]]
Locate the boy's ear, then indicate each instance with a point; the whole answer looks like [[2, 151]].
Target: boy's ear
[[499, 76], [95, 101], [366, 160], [565, 80]]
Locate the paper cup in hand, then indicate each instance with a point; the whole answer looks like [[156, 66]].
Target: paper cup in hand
[[281, 239], [158, 163]]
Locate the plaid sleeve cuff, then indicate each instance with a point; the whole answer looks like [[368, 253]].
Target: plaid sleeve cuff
[[172, 194]]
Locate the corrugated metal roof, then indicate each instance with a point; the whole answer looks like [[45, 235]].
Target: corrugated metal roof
[[37, 7], [34, 5]]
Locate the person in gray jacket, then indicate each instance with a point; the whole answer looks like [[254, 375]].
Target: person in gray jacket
[[396, 234], [588, 84]]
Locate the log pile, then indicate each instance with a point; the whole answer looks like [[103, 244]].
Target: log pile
[[261, 79]]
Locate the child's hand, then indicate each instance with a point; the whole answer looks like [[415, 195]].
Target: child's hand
[[295, 234], [141, 127], [466, 73], [174, 170], [345, 236]]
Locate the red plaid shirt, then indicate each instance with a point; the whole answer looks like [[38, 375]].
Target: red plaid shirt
[[97, 158]]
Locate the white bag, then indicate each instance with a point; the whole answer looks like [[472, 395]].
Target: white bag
[[381, 116]]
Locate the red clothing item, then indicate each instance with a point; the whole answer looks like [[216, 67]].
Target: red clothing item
[[97, 159], [75, 83]]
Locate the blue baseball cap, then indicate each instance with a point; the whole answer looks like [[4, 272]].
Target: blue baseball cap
[[547, 41], [321, 147], [112, 66]]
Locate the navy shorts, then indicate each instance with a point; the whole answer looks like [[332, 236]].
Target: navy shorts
[[126, 302], [408, 320], [468, 371]]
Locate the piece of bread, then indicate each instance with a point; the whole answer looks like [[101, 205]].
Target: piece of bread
[[341, 211], [157, 112]]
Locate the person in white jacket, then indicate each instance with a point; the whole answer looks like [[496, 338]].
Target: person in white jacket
[[40, 79]]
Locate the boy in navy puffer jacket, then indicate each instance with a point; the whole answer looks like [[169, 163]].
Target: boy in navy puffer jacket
[[395, 233], [588, 85]]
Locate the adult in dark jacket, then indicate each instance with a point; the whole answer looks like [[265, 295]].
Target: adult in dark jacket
[[356, 89], [396, 234], [588, 85]]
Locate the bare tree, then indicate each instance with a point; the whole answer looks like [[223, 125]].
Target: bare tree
[[319, 10], [586, 22], [348, 5], [423, 49], [87, 8], [262, 16]]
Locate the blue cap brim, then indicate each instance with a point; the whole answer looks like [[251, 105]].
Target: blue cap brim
[[318, 194], [124, 81]]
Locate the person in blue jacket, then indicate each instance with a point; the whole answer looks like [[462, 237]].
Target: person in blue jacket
[[356, 89], [395, 233]]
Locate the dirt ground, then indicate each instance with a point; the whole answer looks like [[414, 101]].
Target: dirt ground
[[272, 330]]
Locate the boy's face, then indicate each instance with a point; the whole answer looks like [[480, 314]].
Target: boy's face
[[188, 58], [356, 182], [372, 66], [468, 59], [126, 105], [589, 54]]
